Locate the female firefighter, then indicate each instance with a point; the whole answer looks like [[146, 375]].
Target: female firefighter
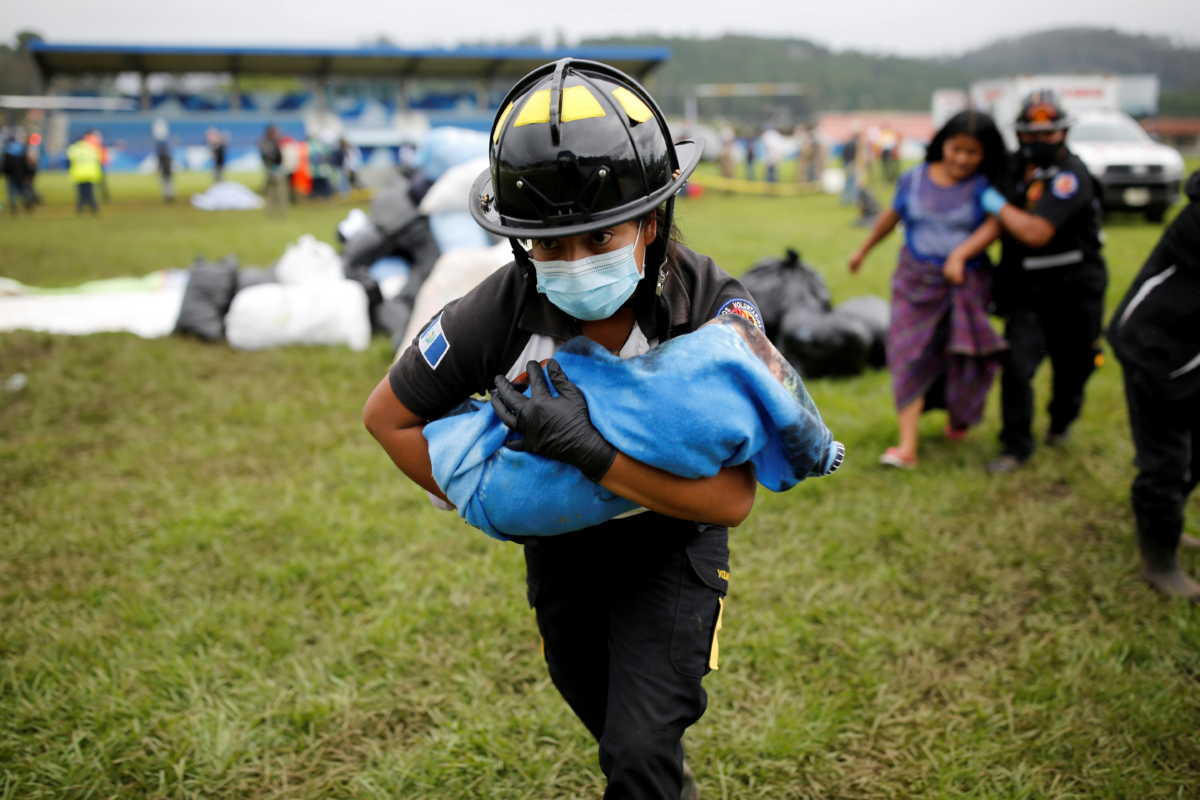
[[581, 178]]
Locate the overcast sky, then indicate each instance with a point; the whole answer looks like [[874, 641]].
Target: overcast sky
[[911, 27]]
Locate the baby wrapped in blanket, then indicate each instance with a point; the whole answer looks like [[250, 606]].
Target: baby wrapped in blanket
[[717, 397]]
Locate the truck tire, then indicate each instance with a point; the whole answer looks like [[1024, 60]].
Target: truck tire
[[1156, 213]]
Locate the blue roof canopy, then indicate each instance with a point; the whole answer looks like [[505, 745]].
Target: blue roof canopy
[[462, 63]]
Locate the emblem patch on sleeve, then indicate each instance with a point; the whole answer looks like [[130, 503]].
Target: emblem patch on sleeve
[[433, 343], [742, 308], [1065, 185]]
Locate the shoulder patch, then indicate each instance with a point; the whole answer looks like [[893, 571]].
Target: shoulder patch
[[743, 308], [1065, 185], [433, 343]]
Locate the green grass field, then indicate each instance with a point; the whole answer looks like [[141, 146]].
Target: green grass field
[[213, 584]]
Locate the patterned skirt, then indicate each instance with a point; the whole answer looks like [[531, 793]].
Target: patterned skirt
[[941, 345]]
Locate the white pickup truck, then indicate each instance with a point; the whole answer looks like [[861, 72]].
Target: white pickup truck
[[1135, 172]]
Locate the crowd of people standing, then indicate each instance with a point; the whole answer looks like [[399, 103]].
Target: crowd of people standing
[[293, 167]]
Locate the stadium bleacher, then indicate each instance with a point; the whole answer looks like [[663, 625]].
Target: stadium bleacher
[[356, 93]]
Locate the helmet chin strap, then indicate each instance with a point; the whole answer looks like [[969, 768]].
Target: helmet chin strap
[[521, 254], [655, 260]]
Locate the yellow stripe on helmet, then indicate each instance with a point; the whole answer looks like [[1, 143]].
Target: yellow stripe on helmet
[[633, 105], [500, 123], [579, 103], [535, 110]]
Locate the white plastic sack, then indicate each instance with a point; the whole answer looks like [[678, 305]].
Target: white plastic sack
[[832, 180], [454, 274], [309, 260], [354, 222], [447, 147], [227, 196], [278, 314], [457, 230], [449, 193]]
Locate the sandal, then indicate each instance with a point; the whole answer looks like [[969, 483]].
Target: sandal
[[955, 434], [892, 458]]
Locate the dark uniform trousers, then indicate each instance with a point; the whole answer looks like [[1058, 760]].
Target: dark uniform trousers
[[1166, 440], [85, 197], [1057, 313], [628, 613]]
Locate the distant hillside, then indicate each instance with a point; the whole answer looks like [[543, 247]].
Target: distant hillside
[[1087, 50], [854, 80], [1095, 50], [837, 80]]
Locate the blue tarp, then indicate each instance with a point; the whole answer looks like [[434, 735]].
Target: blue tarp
[[714, 398]]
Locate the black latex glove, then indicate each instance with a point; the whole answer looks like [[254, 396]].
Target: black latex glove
[[553, 427]]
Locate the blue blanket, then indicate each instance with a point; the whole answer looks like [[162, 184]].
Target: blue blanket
[[717, 397]]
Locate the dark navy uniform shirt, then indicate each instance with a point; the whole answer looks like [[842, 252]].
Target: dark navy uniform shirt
[[1064, 195]]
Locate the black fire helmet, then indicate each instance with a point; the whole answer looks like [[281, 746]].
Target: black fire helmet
[[577, 145], [1042, 111]]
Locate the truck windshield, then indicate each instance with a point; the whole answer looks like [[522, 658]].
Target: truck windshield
[[1108, 130]]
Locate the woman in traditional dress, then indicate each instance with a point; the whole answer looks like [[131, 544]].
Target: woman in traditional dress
[[942, 351]]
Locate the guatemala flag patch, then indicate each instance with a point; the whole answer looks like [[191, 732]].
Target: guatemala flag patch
[[433, 343]]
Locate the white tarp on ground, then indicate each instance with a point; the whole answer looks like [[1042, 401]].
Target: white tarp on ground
[[227, 196], [454, 274], [312, 304], [147, 307]]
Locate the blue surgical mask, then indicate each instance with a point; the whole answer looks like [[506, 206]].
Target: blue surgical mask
[[594, 287]]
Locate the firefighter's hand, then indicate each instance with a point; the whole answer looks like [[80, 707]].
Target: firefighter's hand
[[553, 426]]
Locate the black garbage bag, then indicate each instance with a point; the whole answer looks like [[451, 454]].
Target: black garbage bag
[[390, 317], [418, 186], [779, 285], [392, 208], [397, 229], [873, 311], [820, 344], [210, 289], [391, 213], [253, 276]]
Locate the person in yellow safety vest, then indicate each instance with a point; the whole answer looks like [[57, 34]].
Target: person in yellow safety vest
[[84, 158]]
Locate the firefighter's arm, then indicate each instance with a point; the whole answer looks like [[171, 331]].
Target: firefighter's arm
[[399, 431], [724, 499], [1031, 230]]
